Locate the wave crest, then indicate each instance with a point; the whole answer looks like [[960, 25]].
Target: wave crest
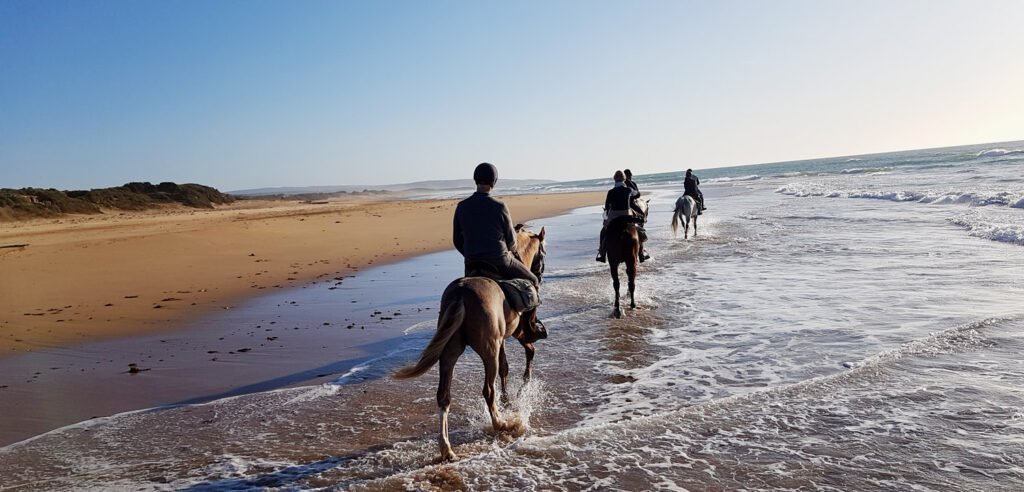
[[866, 170], [991, 228], [999, 152], [947, 197], [751, 177]]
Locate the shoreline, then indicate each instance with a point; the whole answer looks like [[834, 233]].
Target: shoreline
[[93, 278]]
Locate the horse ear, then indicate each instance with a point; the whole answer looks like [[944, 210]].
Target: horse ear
[[520, 227], [541, 235]]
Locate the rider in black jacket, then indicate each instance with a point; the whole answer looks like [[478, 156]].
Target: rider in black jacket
[[690, 188], [634, 203], [483, 229], [620, 202], [630, 183]]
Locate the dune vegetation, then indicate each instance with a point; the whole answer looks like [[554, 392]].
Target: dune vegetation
[[28, 203]]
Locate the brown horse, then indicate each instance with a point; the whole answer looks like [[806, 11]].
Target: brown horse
[[474, 312], [622, 242]]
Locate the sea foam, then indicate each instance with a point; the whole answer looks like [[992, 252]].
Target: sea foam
[[1000, 152]]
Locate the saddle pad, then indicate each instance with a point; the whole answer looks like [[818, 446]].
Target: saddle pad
[[521, 294]]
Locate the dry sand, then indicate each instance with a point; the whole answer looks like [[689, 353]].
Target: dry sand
[[86, 278]]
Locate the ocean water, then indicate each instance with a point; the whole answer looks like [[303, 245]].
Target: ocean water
[[838, 324]]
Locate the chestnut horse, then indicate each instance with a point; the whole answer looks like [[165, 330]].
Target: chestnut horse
[[622, 243], [474, 312]]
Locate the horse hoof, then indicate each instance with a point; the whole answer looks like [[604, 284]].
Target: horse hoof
[[617, 314], [448, 455]]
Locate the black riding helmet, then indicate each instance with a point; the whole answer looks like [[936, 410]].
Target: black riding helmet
[[485, 174]]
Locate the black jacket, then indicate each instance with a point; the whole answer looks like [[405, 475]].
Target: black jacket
[[482, 228], [690, 185], [632, 185], [621, 198]]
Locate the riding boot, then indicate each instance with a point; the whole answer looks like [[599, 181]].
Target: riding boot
[[600, 249], [643, 254]]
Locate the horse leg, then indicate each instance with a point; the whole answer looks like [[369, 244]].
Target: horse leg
[[530, 351], [686, 228], [631, 277], [615, 283], [491, 362], [503, 374], [446, 368], [695, 227]]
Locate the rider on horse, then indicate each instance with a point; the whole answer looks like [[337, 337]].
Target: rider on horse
[[634, 201], [621, 202], [632, 184], [690, 188], [483, 230]]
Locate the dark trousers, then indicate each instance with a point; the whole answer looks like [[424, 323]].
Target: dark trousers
[[699, 198], [506, 266]]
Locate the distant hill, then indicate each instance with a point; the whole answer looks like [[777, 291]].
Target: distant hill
[[445, 184], [27, 203]]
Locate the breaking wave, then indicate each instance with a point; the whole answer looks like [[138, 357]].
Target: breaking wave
[[866, 170], [752, 177], [1000, 152], [947, 197], [993, 228]]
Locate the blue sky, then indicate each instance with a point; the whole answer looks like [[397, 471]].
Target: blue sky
[[244, 94]]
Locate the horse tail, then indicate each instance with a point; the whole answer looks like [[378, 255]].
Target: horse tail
[[447, 324], [675, 219]]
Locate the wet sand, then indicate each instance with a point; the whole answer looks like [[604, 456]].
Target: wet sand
[[88, 278]]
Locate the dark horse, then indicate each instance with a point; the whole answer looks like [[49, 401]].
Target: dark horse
[[622, 243], [474, 312]]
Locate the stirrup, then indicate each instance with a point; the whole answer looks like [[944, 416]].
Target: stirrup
[[600, 258]]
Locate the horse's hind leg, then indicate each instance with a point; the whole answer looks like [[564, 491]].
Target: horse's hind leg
[[631, 276], [446, 367], [503, 374], [491, 363], [695, 226], [615, 283]]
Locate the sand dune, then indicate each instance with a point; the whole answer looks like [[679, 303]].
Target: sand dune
[[90, 277]]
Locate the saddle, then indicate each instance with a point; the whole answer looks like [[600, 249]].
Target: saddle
[[522, 296], [520, 293]]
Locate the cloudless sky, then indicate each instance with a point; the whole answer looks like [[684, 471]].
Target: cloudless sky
[[246, 94]]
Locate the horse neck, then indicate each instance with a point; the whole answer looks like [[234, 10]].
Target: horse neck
[[527, 247]]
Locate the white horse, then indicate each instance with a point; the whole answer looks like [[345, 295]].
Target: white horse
[[686, 209]]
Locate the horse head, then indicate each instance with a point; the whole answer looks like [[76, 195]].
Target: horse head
[[531, 249]]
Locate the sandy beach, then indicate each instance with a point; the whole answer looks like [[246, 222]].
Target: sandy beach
[[86, 278]]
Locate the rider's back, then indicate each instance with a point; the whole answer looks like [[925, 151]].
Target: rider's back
[[483, 227], [618, 198], [690, 185]]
